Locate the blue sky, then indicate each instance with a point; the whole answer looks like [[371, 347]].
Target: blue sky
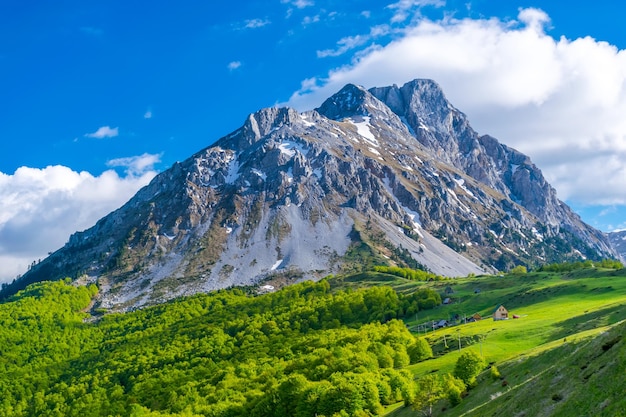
[[99, 96]]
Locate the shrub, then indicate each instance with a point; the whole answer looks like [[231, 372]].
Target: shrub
[[454, 389], [519, 270], [494, 373]]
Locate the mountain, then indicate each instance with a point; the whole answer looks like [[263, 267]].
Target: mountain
[[618, 240], [392, 175]]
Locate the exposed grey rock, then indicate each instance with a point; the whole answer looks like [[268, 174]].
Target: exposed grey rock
[[289, 194], [446, 131], [618, 240]]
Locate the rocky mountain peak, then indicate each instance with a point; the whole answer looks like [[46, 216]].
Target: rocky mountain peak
[[351, 101], [436, 124], [262, 122], [418, 97], [390, 175]]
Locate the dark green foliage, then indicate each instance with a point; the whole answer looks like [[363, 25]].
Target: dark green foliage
[[300, 351]]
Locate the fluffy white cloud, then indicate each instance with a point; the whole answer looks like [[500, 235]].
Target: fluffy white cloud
[[103, 132], [41, 208], [136, 166], [560, 101], [234, 65]]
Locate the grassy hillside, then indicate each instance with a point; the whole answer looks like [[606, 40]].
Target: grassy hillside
[[336, 347], [569, 328]]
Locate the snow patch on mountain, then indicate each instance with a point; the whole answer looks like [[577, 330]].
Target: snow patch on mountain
[[363, 128], [233, 171]]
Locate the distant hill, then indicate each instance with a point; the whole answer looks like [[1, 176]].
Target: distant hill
[[391, 175]]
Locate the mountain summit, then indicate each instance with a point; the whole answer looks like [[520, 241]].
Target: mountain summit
[[390, 175]]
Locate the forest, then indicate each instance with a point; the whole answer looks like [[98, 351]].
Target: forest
[[305, 350]]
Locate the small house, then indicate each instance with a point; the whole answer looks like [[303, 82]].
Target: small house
[[440, 324], [449, 290], [446, 300], [477, 317], [500, 313]]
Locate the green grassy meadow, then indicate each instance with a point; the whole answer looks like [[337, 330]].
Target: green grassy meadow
[[558, 314]]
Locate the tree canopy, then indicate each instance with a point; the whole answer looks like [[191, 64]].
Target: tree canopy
[[301, 351]]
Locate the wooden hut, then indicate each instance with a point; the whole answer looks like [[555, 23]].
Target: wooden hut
[[500, 313]]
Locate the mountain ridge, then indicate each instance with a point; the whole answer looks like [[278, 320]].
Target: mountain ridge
[[398, 171]]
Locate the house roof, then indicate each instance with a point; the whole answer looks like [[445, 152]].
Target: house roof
[[499, 305]]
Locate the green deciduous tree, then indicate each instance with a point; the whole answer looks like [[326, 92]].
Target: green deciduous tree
[[430, 389], [518, 270], [454, 388], [468, 366], [419, 350]]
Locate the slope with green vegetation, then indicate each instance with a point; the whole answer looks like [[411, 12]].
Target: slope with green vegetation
[[568, 328], [301, 351], [351, 345]]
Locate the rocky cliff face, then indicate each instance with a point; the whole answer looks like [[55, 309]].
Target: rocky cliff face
[[393, 175], [618, 240], [446, 131]]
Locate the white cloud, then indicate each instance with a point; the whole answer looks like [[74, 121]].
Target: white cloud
[[234, 65], [147, 114], [298, 4], [344, 45], [310, 20], [40, 208], [404, 8], [136, 165], [256, 23], [560, 101], [103, 132], [349, 43]]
